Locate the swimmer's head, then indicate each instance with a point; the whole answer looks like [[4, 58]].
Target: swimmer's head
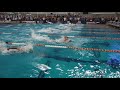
[[8, 42], [8, 49], [65, 37]]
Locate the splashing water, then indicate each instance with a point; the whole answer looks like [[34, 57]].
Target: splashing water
[[3, 48], [43, 67], [60, 40], [41, 37], [46, 38], [49, 30], [26, 48], [56, 30]]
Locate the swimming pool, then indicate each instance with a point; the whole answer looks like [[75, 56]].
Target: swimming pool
[[56, 60]]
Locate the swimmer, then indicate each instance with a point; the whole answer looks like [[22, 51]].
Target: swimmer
[[66, 39], [16, 49], [10, 43], [13, 48], [19, 49]]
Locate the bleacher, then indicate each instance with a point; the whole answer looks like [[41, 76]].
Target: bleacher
[[114, 24]]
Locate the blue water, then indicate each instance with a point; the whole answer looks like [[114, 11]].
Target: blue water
[[63, 62]]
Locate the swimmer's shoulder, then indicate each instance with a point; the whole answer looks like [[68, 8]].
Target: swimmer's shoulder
[[70, 41]]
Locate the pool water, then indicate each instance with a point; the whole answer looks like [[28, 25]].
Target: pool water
[[53, 62]]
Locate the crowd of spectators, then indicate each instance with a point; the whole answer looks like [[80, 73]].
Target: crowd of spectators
[[57, 18]]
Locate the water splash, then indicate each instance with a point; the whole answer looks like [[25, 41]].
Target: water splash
[[43, 67], [46, 38], [60, 40], [27, 48], [58, 29], [40, 37], [4, 50], [49, 30]]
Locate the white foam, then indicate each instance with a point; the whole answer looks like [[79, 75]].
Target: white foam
[[70, 36], [43, 67], [88, 72], [2, 43], [3, 48], [26, 48], [6, 33], [59, 69], [46, 38], [91, 66], [18, 43], [57, 65], [55, 46], [49, 30], [40, 37], [58, 29], [60, 39], [65, 26]]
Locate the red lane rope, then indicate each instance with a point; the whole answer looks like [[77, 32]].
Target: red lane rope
[[88, 49]]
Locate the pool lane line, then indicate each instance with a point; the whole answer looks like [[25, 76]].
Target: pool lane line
[[105, 38], [94, 31], [77, 48], [97, 28], [74, 31], [94, 49], [101, 32], [8, 33], [98, 32]]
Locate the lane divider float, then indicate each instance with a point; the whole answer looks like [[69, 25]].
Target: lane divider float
[[77, 48], [105, 38]]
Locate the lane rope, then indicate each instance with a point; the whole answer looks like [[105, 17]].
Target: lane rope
[[105, 38], [95, 32], [77, 48]]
